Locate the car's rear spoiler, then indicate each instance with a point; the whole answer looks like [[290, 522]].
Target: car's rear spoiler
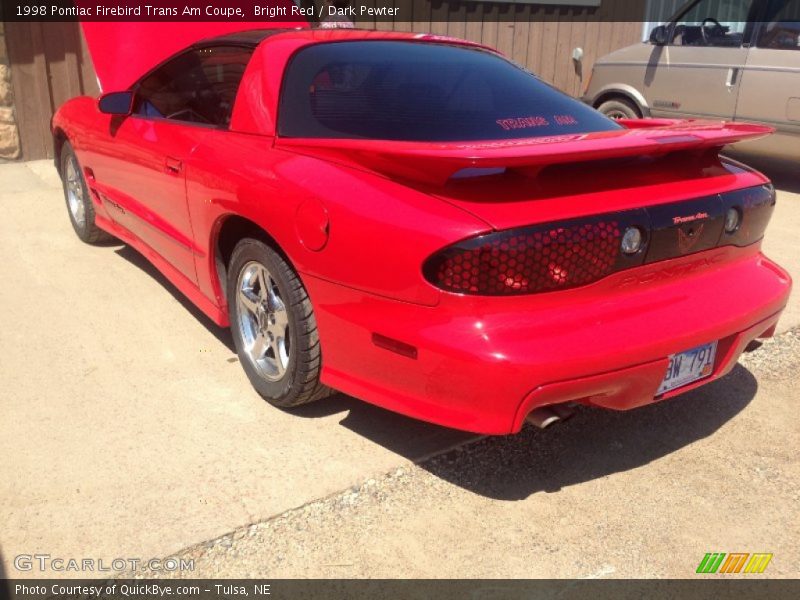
[[436, 162]]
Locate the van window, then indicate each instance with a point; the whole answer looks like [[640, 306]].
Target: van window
[[420, 91], [719, 23], [781, 31]]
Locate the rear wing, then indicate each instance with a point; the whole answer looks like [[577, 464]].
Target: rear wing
[[437, 162]]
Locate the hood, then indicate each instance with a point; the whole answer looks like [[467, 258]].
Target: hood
[[124, 51]]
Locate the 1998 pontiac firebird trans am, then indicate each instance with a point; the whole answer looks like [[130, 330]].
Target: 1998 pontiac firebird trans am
[[420, 223]]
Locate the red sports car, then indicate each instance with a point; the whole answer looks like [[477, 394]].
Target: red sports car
[[420, 223]]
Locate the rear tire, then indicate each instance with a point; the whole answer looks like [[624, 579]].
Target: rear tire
[[619, 108], [273, 326], [79, 203]]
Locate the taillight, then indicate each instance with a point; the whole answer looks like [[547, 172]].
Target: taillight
[[558, 256], [539, 258]]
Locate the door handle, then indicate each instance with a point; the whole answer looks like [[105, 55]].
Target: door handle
[[733, 78], [172, 166]]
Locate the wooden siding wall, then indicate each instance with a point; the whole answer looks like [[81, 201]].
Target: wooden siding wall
[[539, 36], [50, 62]]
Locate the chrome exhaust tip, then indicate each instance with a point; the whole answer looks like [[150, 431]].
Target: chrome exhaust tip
[[547, 415], [564, 411], [542, 417]]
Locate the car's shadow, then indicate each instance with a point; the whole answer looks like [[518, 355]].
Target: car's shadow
[[410, 438], [591, 445], [594, 443], [133, 256]]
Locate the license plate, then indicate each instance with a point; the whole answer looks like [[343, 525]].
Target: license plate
[[689, 366]]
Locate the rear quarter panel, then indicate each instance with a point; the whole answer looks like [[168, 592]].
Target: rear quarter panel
[[379, 232]]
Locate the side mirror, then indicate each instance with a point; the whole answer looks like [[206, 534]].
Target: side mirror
[[577, 61], [658, 37], [116, 103]]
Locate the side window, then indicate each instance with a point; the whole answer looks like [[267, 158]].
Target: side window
[[198, 86], [719, 23], [781, 31]]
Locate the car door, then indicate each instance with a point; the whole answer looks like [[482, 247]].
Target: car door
[[697, 73], [774, 65], [144, 178]]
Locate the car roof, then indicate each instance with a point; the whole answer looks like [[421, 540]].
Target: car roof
[[255, 37], [244, 38], [256, 106]]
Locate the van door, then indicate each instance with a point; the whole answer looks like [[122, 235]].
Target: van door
[[697, 74], [770, 92]]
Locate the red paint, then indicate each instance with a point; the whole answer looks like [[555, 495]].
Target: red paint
[[124, 51], [313, 224], [358, 219]]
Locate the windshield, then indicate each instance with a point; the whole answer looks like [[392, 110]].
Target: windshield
[[410, 91]]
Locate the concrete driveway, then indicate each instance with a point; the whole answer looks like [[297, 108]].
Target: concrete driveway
[[127, 428]]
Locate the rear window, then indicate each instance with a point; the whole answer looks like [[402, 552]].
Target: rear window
[[411, 91]]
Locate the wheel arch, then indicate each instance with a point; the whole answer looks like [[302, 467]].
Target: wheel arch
[[59, 139], [623, 92], [228, 231]]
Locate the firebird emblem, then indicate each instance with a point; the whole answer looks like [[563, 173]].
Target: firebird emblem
[[687, 241]]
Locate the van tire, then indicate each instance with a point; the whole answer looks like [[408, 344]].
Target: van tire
[[620, 108]]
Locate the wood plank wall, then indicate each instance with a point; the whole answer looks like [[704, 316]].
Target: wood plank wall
[[50, 62], [539, 36]]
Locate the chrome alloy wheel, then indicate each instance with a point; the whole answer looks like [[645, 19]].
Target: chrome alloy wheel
[[263, 321], [75, 197]]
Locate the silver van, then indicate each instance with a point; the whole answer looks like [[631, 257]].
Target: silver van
[[715, 59]]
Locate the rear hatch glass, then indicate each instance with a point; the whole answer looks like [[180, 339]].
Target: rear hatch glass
[[412, 91]]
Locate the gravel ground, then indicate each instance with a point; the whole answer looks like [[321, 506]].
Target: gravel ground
[[638, 494], [777, 359]]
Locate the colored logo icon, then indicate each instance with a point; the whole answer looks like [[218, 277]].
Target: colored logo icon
[[736, 562]]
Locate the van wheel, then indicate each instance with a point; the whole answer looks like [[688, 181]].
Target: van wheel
[[273, 326], [619, 108]]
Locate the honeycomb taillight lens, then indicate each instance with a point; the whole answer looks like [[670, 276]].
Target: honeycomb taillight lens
[[558, 256], [533, 259]]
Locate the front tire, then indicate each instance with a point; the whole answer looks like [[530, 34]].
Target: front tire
[[273, 326], [79, 204]]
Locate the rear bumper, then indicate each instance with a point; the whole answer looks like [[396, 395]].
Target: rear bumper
[[636, 386], [482, 364]]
